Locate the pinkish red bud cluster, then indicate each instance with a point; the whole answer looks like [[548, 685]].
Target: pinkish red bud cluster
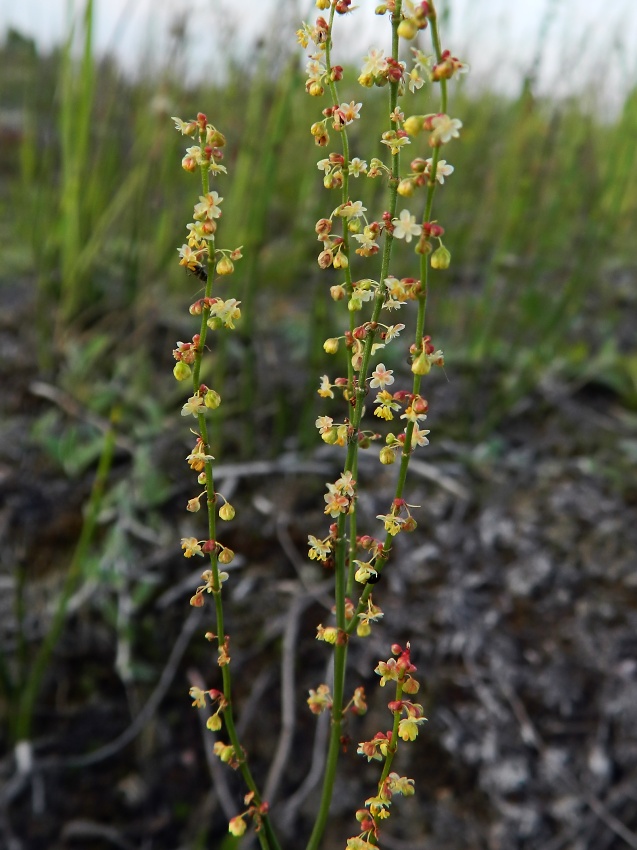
[[186, 352], [202, 304]]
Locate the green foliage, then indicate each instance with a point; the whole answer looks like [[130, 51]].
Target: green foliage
[[549, 194]]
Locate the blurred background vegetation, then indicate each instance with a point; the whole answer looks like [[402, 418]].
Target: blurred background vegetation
[[540, 221]]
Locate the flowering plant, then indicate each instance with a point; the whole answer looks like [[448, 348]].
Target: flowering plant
[[349, 241]]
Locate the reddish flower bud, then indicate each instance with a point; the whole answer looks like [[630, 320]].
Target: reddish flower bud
[[323, 227], [420, 405]]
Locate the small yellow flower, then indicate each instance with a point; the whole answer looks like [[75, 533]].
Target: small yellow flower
[[237, 826], [191, 546], [198, 697], [226, 512], [193, 406], [213, 723], [408, 728]]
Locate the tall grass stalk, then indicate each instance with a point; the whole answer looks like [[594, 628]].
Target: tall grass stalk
[[77, 97]]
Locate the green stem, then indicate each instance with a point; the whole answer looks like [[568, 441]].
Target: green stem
[[406, 453], [267, 838], [351, 463]]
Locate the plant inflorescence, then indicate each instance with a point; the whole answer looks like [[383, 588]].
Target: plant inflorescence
[[360, 249]]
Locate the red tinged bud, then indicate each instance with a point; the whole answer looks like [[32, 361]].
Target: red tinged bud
[[420, 405]]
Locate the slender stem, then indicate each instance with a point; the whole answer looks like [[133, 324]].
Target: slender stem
[[381, 561], [267, 838], [343, 582]]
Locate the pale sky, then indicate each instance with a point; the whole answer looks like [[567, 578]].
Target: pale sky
[[585, 42]]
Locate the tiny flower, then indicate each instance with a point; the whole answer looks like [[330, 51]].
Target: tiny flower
[[191, 546], [443, 169], [186, 128], [444, 129], [192, 159], [418, 437], [387, 455], [328, 634], [352, 209], [198, 457], [226, 512], [364, 572], [213, 723], [358, 843], [421, 60], [401, 785], [188, 257], [225, 313], [405, 226], [225, 266], [395, 143], [441, 258], [386, 403], [407, 29], [412, 415], [359, 706], [319, 549], [357, 167], [324, 423], [208, 206], [182, 371], [193, 406], [226, 556], [408, 728], [212, 399], [413, 125], [415, 80], [225, 752], [237, 825], [345, 484], [198, 697], [382, 377], [388, 671], [325, 389], [320, 700], [393, 331], [194, 505], [336, 503], [374, 63], [349, 111]]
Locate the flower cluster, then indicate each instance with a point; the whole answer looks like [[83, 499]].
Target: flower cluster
[[217, 698], [382, 746], [255, 811], [371, 387]]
